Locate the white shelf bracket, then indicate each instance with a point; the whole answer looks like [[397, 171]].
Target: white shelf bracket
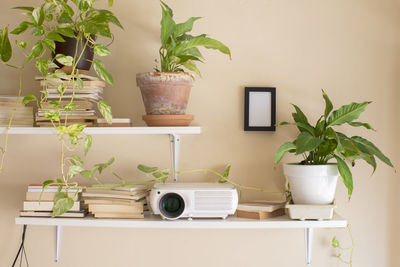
[[308, 234], [58, 235], [175, 141]]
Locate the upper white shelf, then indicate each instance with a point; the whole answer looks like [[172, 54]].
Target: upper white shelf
[[108, 130], [152, 221]]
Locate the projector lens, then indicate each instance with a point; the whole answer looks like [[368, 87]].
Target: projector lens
[[172, 205]]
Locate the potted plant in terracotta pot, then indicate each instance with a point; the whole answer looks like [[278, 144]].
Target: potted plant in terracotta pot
[[166, 91], [313, 180]]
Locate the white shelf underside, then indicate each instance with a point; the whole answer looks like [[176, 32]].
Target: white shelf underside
[[106, 130], [151, 221]]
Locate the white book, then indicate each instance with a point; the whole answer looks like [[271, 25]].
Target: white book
[[46, 206]]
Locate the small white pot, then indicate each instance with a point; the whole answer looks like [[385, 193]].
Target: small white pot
[[312, 184]]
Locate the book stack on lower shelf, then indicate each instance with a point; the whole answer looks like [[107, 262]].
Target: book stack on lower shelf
[[39, 202], [260, 210], [85, 99], [123, 203], [23, 115]]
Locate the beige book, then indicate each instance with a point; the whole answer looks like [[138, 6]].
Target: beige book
[[113, 201], [49, 124], [109, 208], [70, 118], [116, 215], [68, 84], [120, 196], [77, 214], [47, 196], [46, 206], [114, 192], [260, 215], [84, 105], [256, 206]]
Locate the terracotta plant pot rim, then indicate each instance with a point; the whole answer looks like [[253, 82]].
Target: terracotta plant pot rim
[[166, 76]]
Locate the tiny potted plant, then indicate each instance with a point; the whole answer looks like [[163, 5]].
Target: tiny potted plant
[[166, 91], [313, 180]]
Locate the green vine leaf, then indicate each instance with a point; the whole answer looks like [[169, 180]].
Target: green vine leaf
[[105, 110], [88, 144], [76, 160], [29, 98], [5, 46], [65, 60], [283, 149], [101, 50], [62, 203], [102, 71], [146, 169], [74, 170]]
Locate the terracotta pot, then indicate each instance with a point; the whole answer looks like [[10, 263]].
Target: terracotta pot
[[165, 93]]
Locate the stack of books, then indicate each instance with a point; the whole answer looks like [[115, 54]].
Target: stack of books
[[85, 100], [124, 202], [260, 210], [23, 116], [39, 202]]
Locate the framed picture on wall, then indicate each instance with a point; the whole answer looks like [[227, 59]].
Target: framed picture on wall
[[259, 109]]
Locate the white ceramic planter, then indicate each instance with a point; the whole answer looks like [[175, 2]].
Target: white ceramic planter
[[312, 184]]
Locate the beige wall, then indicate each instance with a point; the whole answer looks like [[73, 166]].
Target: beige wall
[[351, 48]]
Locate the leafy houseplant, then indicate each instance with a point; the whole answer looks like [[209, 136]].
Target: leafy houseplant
[[52, 22], [166, 91], [320, 143]]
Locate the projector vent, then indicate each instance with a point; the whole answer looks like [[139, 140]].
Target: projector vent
[[213, 200]]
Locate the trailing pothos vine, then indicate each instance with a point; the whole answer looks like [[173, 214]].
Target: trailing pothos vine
[[51, 22]]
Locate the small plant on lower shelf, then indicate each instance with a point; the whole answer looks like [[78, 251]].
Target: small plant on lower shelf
[[339, 254], [320, 143]]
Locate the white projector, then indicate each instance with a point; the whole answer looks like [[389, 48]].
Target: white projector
[[193, 200]]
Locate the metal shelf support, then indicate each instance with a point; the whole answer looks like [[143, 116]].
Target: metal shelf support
[[58, 235], [175, 142], [308, 235]]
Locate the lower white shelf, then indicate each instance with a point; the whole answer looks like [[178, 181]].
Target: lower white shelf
[[151, 221]]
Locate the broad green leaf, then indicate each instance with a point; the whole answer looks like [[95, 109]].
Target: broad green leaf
[[167, 27], [88, 144], [331, 133], [55, 37], [101, 50], [53, 115], [74, 170], [349, 148], [110, 3], [320, 127], [38, 15], [146, 169], [37, 49], [75, 129], [306, 142], [67, 31], [301, 117], [50, 44], [64, 18], [38, 31], [368, 147], [75, 160], [29, 98], [87, 174], [62, 204], [225, 175], [27, 8], [347, 113], [42, 65], [283, 149], [192, 67], [5, 46], [369, 159], [328, 104], [361, 124], [327, 147], [208, 43], [345, 172], [22, 27], [61, 89], [184, 27], [64, 60], [161, 175], [102, 71], [167, 9], [47, 183], [105, 110]]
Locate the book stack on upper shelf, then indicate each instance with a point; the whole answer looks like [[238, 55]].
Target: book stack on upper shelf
[[260, 210], [123, 202], [39, 202], [85, 100], [23, 115]]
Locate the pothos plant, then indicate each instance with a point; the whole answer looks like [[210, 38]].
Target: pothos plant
[[320, 143], [51, 22], [179, 49]]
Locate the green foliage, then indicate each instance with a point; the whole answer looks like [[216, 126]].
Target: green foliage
[[5, 46], [105, 110], [178, 48], [321, 143], [62, 203]]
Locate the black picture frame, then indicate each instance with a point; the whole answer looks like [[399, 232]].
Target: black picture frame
[[249, 124]]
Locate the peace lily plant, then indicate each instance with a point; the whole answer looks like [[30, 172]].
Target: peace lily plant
[[321, 142]]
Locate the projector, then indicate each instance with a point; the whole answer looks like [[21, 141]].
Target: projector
[[193, 200]]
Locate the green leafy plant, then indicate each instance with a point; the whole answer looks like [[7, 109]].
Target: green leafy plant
[[51, 22], [339, 254], [320, 143], [179, 49]]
